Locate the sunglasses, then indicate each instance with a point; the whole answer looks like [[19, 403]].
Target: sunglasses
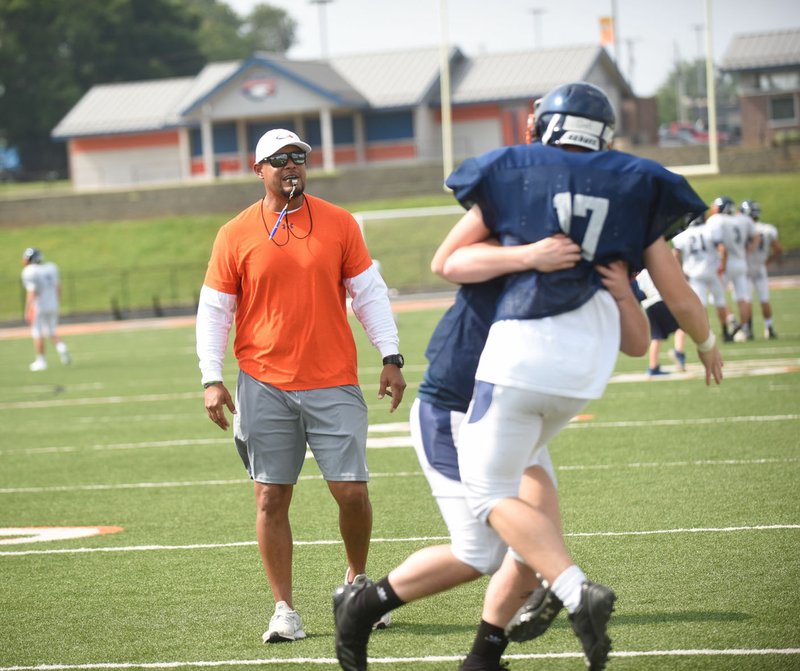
[[280, 160]]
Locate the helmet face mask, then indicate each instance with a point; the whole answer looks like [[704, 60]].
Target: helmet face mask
[[577, 114], [32, 255], [725, 205], [750, 208]]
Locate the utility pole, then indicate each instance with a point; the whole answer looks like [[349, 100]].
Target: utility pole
[[679, 91], [699, 29], [631, 58], [323, 26], [537, 26], [616, 32]]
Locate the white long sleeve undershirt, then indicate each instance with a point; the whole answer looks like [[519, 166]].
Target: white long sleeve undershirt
[[214, 318], [370, 304]]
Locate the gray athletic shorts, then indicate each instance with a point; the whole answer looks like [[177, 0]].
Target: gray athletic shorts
[[272, 428]]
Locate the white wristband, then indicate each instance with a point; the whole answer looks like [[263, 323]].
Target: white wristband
[[708, 344]]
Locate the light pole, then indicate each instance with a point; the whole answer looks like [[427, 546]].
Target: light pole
[[323, 26], [537, 26]]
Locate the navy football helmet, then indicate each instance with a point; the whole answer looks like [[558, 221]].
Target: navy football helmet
[[725, 205], [577, 114], [751, 208], [32, 255]]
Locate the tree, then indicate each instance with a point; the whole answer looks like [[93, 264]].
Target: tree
[[224, 35], [270, 29], [54, 51], [683, 96]]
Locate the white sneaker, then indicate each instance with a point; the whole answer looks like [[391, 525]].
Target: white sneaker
[[284, 625], [66, 359], [39, 364], [386, 619]]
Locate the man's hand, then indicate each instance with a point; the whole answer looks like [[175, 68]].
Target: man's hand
[[216, 399], [615, 278], [392, 384], [557, 252], [712, 360]]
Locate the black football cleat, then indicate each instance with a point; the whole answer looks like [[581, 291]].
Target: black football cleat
[[590, 623], [535, 616], [352, 633], [475, 663]]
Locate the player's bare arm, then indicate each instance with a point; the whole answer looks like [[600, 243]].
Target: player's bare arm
[[466, 256], [634, 325]]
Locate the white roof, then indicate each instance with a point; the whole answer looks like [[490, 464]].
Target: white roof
[[126, 108], [759, 51], [516, 75], [391, 79]]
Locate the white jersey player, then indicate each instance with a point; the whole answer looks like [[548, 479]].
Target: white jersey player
[[759, 257], [697, 250], [738, 233], [42, 301]]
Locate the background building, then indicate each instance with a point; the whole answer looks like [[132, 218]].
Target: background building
[[767, 71], [360, 110]]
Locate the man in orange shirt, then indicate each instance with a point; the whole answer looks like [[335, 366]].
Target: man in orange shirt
[[284, 266]]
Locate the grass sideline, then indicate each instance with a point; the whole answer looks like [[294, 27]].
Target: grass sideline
[[684, 498], [128, 263]]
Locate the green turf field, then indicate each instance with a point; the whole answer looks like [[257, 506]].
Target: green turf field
[[685, 499], [158, 264]]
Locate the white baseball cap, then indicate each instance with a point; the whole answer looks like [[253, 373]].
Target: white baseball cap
[[276, 139]]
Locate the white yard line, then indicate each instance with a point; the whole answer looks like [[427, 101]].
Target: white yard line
[[416, 539], [404, 440], [330, 661]]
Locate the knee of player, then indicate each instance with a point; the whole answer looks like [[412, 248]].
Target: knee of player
[[482, 560]]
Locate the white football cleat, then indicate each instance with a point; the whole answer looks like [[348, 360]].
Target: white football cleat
[[39, 364]]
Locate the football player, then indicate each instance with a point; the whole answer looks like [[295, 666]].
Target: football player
[[42, 299], [697, 249], [554, 340], [738, 237], [767, 250]]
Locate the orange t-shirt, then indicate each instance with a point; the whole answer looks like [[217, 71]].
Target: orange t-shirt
[[291, 317]]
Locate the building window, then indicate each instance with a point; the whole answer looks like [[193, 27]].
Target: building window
[[782, 109], [779, 81], [383, 126]]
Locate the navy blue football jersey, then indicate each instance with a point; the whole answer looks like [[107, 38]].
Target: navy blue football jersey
[[612, 204], [455, 347]]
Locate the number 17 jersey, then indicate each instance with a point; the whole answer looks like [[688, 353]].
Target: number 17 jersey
[[613, 204], [557, 333]]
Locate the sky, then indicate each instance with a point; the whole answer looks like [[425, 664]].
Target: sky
[[651, 34]]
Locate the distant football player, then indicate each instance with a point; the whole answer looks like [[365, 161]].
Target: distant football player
[[738, 237], [662, 325], [42, 301], [697, 249], [767, 251]]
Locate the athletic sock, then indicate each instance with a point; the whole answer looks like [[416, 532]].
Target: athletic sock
[[61, 347], [377, 600], [567, 587], [490, 643]]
